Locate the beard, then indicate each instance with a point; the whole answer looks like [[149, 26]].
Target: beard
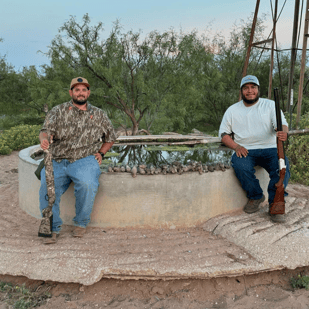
[[252, 101], [80, 101]]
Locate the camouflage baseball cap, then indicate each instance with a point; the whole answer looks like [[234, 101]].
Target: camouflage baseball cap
[[249, 79], [79, 80]]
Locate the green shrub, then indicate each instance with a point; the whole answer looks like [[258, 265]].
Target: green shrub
[[19, 137], [19, 297], [10, 121], [298, 153], [300, 282]]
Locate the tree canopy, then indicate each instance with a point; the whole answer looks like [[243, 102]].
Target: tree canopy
[[169, 81]]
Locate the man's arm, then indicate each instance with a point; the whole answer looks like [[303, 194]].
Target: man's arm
[[228, 142], [225, 131], [104, 149]]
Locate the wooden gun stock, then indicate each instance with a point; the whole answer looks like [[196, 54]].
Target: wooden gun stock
[[278, 205]]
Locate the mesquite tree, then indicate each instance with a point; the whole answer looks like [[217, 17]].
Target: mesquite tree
[[128, 72]]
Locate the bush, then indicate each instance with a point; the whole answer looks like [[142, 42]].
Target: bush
[[19, 297], [298, 153], [10, 121], [301, 282], [19, 137]]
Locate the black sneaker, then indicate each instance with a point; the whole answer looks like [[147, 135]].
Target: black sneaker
[[253, 205], [51, 240]]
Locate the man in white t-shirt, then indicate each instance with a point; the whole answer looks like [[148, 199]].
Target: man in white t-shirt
[[253, 123]]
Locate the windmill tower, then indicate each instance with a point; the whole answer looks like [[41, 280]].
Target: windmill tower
[[272, 39]]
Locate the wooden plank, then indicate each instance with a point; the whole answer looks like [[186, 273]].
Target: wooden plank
[[263, 42], [303, 66], [143, 138], [164, 143], [296, 132]]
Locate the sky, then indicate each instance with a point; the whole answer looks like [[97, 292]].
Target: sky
[[27, 27]]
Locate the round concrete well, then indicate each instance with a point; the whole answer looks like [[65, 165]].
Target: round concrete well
[[156, 201]]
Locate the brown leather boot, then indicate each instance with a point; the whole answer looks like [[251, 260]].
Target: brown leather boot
[[253, 205], [79, 231]]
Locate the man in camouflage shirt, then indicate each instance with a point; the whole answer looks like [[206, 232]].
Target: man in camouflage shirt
[[78, 130]]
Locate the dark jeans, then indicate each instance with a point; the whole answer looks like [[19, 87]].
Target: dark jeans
[[245, 172]]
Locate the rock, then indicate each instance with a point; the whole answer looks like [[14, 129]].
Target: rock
[[194, 166], [205, 168], [142, 171], [122, 169], [110, 169], [196, 132], [211, 168], [185, 169], [116, 169], [164, 169], [199, 168], [128, 168], [172, 169], [158, 171], [217, 167], [157, 290], [190, 166], [222, 168], [134, 171]]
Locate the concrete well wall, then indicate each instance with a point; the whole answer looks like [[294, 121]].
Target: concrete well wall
[[156, 201]]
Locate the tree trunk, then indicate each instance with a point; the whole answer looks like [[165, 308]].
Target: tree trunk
[[135, 127]]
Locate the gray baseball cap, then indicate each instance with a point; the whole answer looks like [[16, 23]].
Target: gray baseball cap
[[249, 79]]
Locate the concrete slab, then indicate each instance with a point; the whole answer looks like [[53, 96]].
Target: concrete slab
[[231, 244], [228, 245]]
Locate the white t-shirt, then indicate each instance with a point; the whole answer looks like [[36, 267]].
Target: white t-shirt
[[253, 126]]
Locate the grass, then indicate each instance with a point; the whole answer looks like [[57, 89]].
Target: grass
[[19, 297], [301, 282]]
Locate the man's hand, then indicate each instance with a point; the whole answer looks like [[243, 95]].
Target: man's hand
[[282, 136], [44, 144], [241, 151], [98, 158]]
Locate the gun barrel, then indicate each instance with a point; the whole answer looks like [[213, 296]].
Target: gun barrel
[[278, 111]]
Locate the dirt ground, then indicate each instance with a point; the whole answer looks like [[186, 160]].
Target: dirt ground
[[264, 290]]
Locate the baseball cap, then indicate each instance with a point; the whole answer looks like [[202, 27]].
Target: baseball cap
[[79, 80], [249, 79]]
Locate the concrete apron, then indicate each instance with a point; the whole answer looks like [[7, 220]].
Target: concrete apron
[[156, 201], [230, 244]]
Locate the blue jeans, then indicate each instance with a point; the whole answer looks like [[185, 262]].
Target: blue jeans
[[245, 172], [85, 174]]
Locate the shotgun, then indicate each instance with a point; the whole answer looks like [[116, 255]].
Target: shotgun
[[45, 229], [278, 205]]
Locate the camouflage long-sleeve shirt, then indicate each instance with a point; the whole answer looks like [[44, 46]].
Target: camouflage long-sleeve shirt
[[77, 133]]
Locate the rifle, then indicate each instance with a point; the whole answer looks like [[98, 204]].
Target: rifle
[[45, 229], [278, 205]]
